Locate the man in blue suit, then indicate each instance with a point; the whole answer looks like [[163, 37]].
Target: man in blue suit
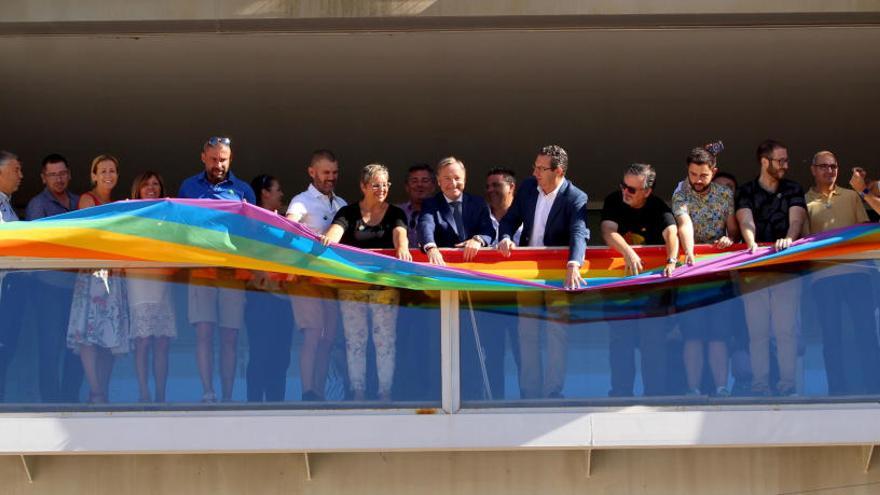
[[456, 219], [552, 212]]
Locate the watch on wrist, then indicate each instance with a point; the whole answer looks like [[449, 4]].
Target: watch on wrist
[[865, 192], [671, 261]]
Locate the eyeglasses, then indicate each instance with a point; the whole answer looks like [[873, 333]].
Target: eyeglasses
[[541, 169], [377, 186], [57, 175], [782, 161], [829, 167], [629, 189], [215, 140]]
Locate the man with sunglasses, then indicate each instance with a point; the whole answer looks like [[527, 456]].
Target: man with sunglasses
[[836, 286], [212, 305], [633, 216], [55, 286], [771, 209], [552, 212]]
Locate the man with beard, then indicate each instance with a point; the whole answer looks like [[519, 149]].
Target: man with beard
[[420, 185], [771, 209], [633, 216], [315, 307], [834, 287], [704, 214], [212, 304]]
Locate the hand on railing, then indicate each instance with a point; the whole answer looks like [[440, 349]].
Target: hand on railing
[[722, 243], [633, 263], [471, 248]]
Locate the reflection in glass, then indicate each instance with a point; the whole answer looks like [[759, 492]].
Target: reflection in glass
[[808, 332], [158, 364]]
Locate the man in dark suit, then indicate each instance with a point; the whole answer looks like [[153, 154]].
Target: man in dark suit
[[454, 218], [552, 212]]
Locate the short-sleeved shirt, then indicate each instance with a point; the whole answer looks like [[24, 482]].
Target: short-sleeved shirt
[[358, 234], [232, 188], [708, 212], [315, 209], [770, 209], [638, 226], [46, 204], [842, 208]]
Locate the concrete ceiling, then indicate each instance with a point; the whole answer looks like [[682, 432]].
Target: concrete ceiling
[[490, 97]]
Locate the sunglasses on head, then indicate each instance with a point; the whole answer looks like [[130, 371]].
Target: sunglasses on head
[[215, 140]]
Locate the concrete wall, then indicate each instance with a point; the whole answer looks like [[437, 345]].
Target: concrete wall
[[622, 472], [102, 10]]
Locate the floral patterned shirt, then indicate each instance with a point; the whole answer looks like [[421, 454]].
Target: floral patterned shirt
[[708, 211]]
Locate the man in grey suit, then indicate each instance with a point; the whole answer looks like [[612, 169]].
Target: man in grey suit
[[552, 212]]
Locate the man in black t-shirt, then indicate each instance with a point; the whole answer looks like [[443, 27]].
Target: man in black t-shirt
[[771, 209], [633, 216]]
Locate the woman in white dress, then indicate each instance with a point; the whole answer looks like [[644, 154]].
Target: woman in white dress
[[98, 326], [153, 322]]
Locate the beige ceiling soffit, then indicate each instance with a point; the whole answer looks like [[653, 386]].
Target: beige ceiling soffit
[[442, 23]]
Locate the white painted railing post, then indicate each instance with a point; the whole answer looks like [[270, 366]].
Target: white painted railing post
[[450, 375]]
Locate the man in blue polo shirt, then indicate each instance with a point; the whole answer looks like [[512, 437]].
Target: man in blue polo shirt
[[217, 181], [217, 303]]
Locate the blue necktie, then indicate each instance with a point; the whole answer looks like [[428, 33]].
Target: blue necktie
[[459, 222]]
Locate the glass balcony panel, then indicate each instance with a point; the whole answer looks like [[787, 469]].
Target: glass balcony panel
[[78, 339], [804, 334]]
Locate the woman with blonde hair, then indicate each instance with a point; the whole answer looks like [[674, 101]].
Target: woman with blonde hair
[[371, 223], [98, 325]]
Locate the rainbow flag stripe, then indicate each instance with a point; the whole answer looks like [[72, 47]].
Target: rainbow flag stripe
[[211, 233]]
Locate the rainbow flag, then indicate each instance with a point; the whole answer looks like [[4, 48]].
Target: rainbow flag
[[228, 234]]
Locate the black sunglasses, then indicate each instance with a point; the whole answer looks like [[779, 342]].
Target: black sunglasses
[[629, 189]]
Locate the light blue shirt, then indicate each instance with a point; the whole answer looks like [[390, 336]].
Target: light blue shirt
[[7, 213]]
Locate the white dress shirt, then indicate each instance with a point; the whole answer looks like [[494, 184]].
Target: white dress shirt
[[542, 211], [516, 235], [315, 209]]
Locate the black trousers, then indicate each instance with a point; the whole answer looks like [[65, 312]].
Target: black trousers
[[648, 334], [852, 293], [269, 321], [60, 370]]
